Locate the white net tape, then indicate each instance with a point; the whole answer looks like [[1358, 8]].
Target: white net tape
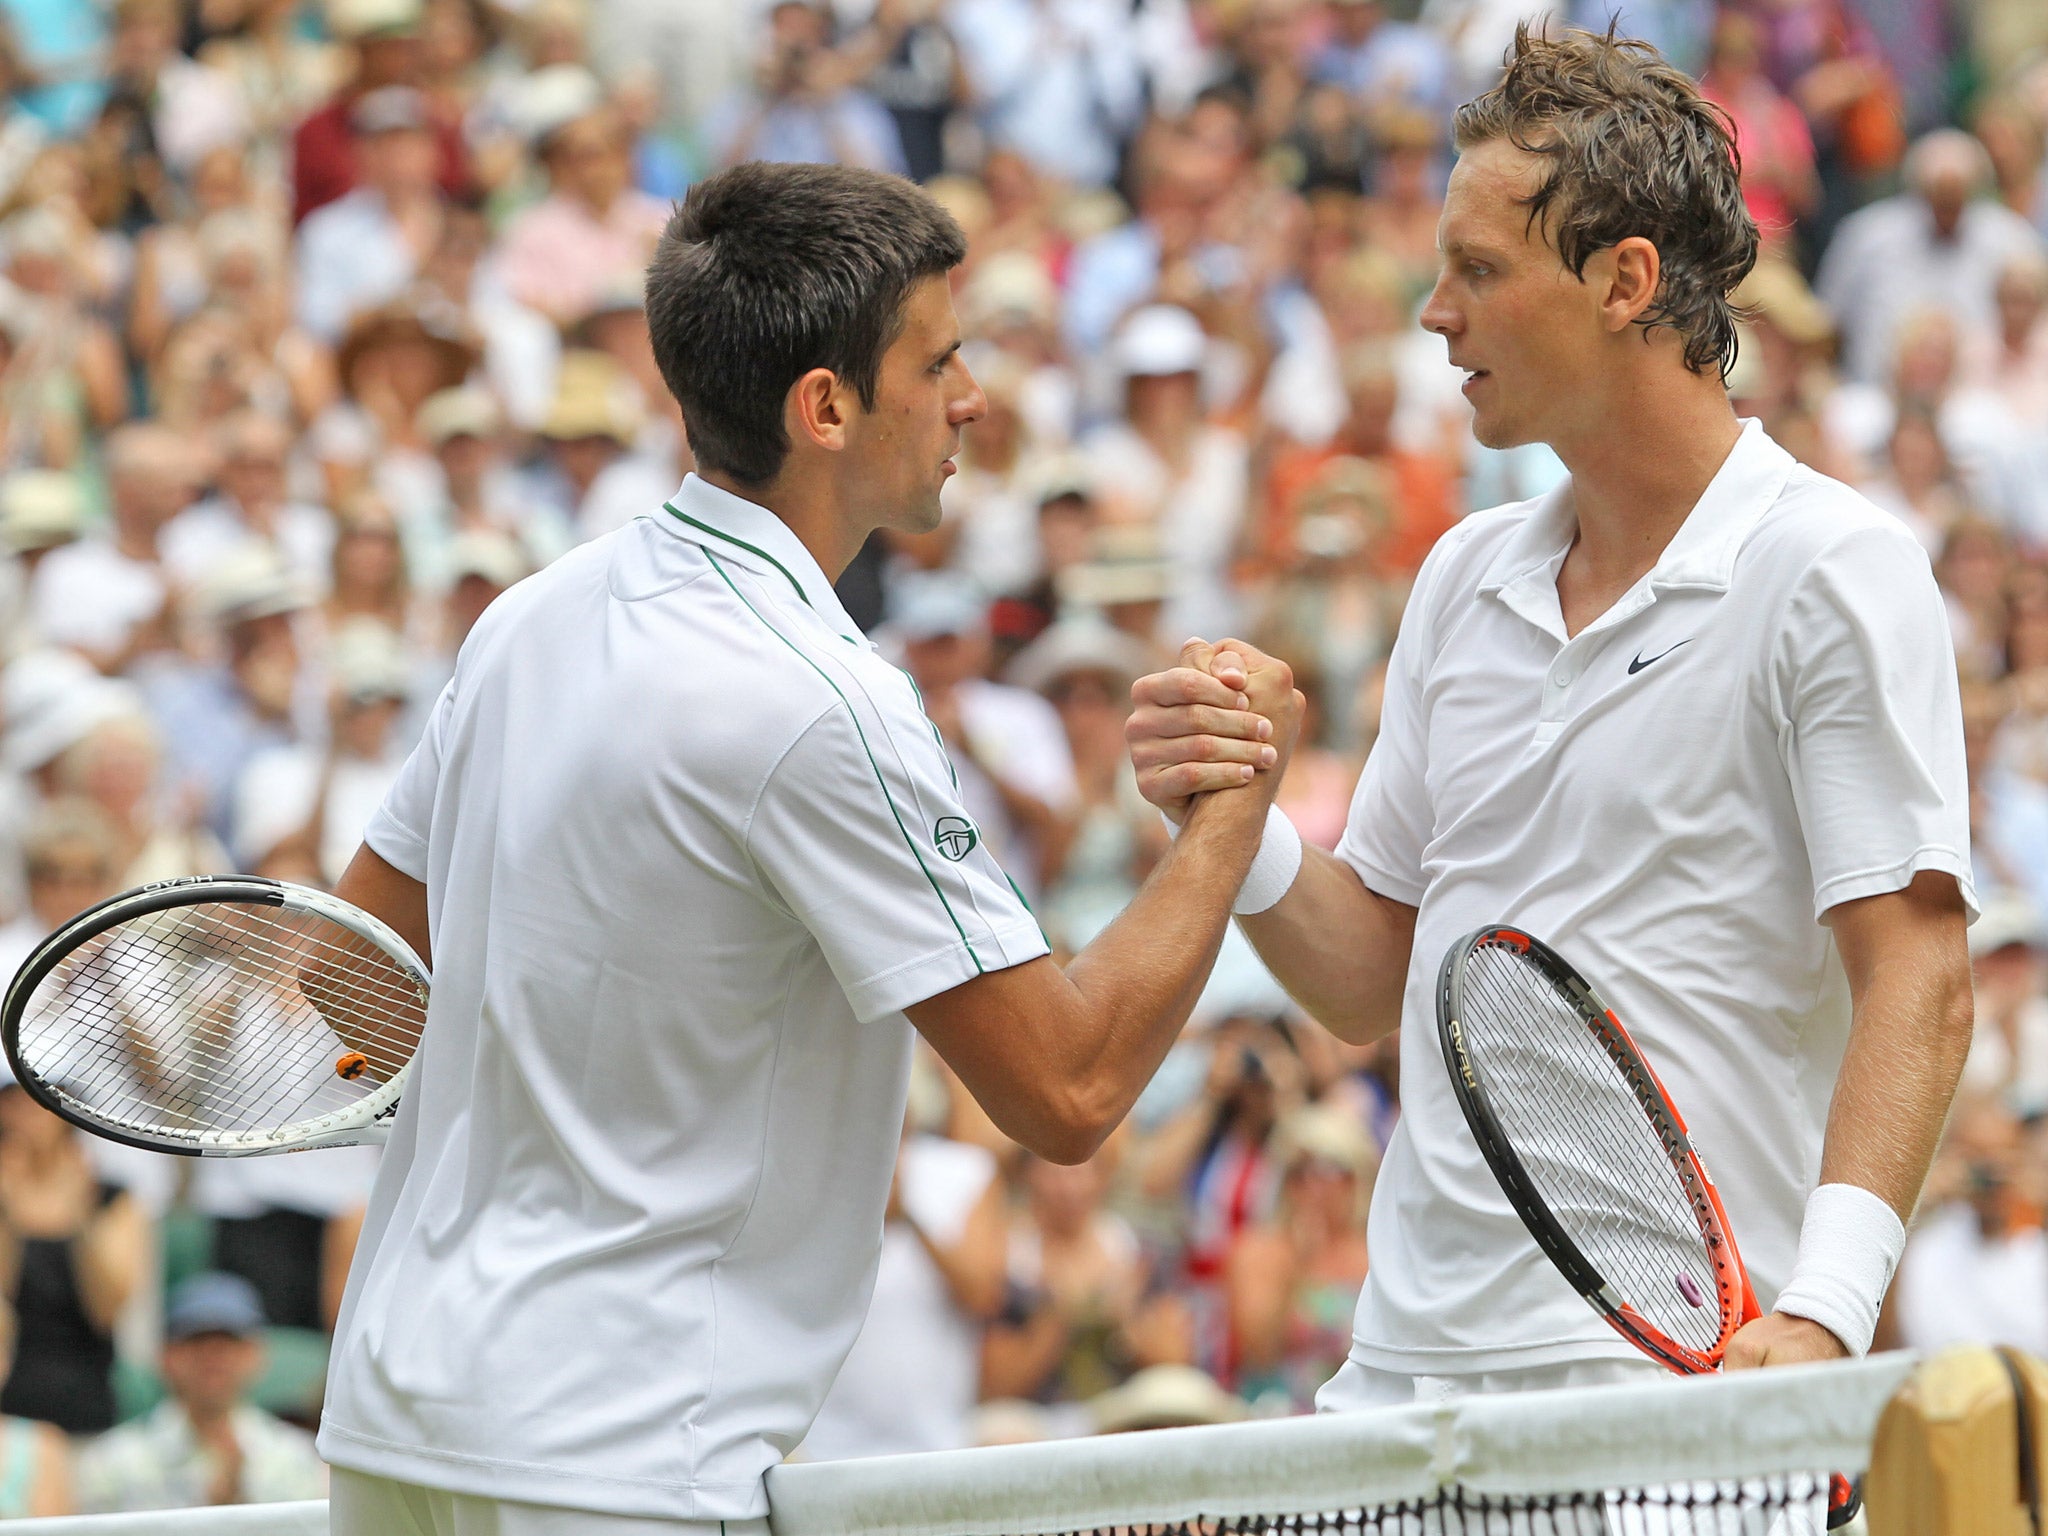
[[1705, 1454]]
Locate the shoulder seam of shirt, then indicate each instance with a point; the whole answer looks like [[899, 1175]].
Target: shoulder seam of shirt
[[1798, 585], [753, 807], [880, 782]]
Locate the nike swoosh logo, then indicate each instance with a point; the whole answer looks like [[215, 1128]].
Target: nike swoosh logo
[[1638, 664]]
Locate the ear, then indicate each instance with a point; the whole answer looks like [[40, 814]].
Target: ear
[[818, 409], [1632, 269]]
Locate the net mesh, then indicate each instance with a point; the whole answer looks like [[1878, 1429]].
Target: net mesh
[[1594, 1157], [1722, 1455], [203, 1023]]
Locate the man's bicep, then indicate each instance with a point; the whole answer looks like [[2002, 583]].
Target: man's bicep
[[384, 891], [1923, 923]]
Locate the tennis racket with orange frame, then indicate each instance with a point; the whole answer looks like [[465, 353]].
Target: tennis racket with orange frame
[[1593, 1155]]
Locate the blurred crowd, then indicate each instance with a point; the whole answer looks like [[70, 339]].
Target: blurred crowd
[[321, 325]]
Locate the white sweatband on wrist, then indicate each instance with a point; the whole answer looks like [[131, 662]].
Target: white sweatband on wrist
[[1849, 1244], [1274, 867]]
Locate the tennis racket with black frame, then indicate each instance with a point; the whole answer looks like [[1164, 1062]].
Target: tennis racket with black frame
[[1593, 1155], [219, 1016]]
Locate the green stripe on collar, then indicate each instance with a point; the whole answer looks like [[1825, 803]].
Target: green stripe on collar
[[720, 533]]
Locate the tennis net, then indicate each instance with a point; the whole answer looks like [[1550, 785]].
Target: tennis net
[[1745, 1455]]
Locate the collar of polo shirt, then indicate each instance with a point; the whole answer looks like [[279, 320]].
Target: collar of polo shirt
[[1700, 555], [743, 532]]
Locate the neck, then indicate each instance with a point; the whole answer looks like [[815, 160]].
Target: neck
[[207, 1420], [135, 540], [811, 507], [1639, 467]]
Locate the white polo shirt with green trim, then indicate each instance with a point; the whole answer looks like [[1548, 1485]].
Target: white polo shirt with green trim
[[690, 848]]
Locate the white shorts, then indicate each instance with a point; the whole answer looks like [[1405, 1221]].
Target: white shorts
[[1358, 1386], [362, 1505]]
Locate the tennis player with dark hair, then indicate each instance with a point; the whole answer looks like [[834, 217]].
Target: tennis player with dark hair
[[683, 852], [1692, 717]]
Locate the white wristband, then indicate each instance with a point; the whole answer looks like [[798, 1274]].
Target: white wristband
[[1273, 869], [1274, 866], [1849, 1244]]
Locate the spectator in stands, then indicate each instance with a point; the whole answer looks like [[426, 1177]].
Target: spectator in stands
[[592, 477], [1941, 244], [1166, 465], [82, 1243], [1077, 1277], [1055, 81], [1099, 853], [801, 104], [364, 248], [216, 715], [384, 38], [1976, 1265], [1293, 1279], [252, 504], [325, 798], [109, 597], [35, 1458], [594, 227], [206, 1445]]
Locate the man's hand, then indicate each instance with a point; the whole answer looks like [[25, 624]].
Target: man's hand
[[1779, 1338], [1199, 727]]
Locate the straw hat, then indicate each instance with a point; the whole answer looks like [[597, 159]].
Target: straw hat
[[440, 325], [1128, 565], [1080, 644], [40, 508], [593, 398], [1165, 1397]]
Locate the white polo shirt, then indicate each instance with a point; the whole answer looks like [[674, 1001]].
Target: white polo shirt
[[1765, 725], [690, 847]]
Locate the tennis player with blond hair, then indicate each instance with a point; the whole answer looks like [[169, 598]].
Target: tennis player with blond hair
[[1692, 716], [684, 852]]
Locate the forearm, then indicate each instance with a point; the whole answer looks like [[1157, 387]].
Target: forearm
[[1340, 949], [1141, 976], [1906, 1048]]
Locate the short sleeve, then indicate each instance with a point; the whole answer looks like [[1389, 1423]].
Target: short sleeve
[[1872, 725], [861, 834], [397, 834], [1390, 820]]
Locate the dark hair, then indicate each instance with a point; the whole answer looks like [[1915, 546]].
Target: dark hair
[[768, 271], [1634, 149]]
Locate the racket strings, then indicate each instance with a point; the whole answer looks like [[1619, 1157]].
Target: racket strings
[[1597, 1160], [218, 1018]]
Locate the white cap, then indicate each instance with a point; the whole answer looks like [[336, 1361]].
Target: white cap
[[926, 604], [52, 700], [2006, 920], [250, 583], [496, 557], [368, 661], [1160, 339], [553, 98], [1083, 643]]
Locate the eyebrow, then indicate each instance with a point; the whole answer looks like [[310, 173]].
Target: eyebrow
[[948, 352]]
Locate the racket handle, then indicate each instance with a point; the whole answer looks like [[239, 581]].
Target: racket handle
[[1845, 1500]]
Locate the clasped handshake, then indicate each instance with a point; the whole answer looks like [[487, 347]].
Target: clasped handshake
[[1225, 719]]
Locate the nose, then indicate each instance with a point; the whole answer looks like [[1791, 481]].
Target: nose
[[1438, 315], [970, 407]]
